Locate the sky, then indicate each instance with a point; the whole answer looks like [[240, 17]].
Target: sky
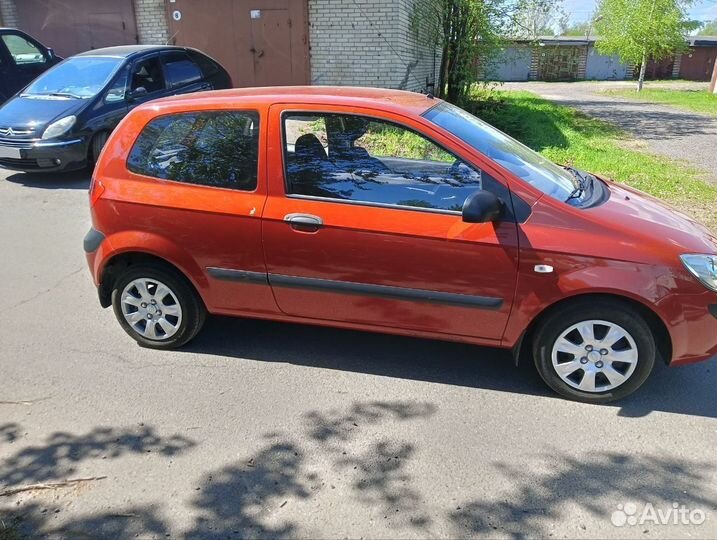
[[580, 10]]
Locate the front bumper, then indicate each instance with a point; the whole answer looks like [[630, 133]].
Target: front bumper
[[43, 156]]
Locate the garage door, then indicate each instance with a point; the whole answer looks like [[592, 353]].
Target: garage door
[[260, 42], [73, 26], [697, 63]]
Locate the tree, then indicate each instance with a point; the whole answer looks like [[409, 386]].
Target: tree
[[639, 30], [708, 28], [468, 33], [534, 18], [577, 29], [464, 31]]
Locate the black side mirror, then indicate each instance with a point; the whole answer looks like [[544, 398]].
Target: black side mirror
[[138, 92], [482, 207], [50, 54]]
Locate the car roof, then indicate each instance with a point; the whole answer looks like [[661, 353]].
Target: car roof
[[124, 51], [399, 101]]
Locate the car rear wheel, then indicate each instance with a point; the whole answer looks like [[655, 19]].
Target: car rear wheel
[[157, 307], [594, 352]]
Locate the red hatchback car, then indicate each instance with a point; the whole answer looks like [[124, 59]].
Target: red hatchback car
[[393, 212]]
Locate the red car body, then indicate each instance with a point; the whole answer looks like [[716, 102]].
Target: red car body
[[628, 247]]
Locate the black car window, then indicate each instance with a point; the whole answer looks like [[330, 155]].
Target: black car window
[[22, 51], [147, 74], [215, 148], [206, 64], [179, 69], [361, 159], [117, 89]]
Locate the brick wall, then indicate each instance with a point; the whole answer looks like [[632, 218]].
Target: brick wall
[[367, 43], [151, 21], [8, 14]]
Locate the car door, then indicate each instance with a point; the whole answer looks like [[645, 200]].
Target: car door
[[30, 59], [112, 105], [363, 225], [146, 81], [181, 74]]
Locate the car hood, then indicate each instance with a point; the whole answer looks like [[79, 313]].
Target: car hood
[[34, 114], [652, 221]]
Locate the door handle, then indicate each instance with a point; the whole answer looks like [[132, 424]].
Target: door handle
[[304, 222]]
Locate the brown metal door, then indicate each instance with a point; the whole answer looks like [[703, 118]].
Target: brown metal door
[[73, 26], [259, 42], [697, 64], [559, 63]]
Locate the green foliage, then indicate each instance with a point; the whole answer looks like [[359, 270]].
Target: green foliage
[[639, 29], [567, 136], [465, 31], [578, 29], [708, 29], [534, 18]]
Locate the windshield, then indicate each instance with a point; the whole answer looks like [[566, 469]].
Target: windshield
[[503, 149], [81, 77]]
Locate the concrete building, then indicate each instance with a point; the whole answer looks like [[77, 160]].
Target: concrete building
[[260, 42]]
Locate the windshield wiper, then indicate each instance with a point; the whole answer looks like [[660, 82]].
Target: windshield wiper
[[583, 183]]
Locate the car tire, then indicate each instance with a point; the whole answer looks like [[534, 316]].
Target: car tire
[[594, 351], [157, 306], [96, 146]]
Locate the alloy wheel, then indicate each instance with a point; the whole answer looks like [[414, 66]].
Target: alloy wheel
[[151, 309], [595, 356]]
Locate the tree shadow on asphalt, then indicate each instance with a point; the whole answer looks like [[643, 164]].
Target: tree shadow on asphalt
[[246, 499], [647, 124], [684, 390], [59, 456], [595, 484], [68, 180]]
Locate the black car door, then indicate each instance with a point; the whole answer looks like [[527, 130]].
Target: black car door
[[27, 57], [182, 74]]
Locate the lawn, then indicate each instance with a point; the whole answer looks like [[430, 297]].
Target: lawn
[[569, 137], [700, 101]]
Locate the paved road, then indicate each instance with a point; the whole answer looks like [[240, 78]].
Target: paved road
[[266, 430], [669, 131]]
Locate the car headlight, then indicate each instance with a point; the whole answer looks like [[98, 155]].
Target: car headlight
[[60, 127], [703, 267]]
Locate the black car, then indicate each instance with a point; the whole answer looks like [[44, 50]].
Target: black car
[[22, 58], [62, 119]]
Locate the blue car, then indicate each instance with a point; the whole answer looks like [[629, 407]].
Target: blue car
[[61, 120]]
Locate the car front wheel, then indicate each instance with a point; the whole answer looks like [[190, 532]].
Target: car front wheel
[[157, 307], [594, 352]]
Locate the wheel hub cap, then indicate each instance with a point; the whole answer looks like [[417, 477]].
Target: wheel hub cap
[[595, 356], [151, 309]]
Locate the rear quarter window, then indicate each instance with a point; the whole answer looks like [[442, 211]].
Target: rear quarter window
[[217, 149]]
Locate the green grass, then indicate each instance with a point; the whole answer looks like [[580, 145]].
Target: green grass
[[568, 137], [700, 101]]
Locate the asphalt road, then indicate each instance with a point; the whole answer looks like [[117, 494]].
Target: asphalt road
[[262, 429]]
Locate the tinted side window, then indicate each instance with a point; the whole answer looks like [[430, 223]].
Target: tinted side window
[[22, 51], [217, 149], [361, 159], [206, 64], [147, 74], [179, 69]]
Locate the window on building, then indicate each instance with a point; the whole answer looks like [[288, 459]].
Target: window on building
[[218, 149]]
